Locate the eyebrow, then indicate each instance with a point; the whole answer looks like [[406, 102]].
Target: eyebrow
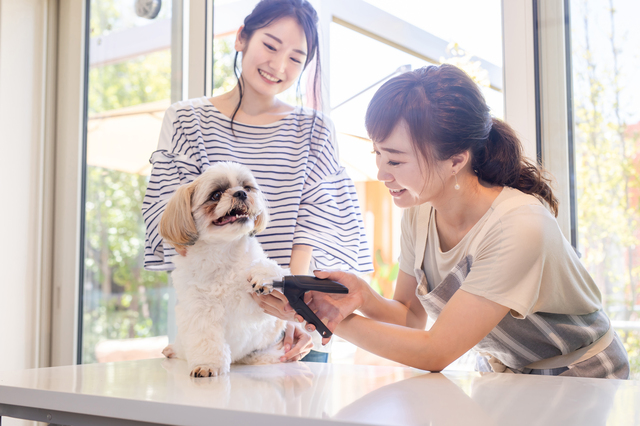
[[390, 150], [280, 41]]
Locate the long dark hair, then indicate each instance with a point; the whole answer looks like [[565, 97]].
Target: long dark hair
[[447, 114], [268, 11]]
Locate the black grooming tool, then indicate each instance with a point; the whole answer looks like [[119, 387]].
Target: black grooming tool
[[295, 286]]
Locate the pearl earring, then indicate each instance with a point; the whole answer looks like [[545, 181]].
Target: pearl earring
[[457, 187]]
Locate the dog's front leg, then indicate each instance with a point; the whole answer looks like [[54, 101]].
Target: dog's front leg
[[203, 340], [263, 273]]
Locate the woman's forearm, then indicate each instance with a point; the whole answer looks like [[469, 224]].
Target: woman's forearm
[[401, 344], [300, 259], [390, 311]]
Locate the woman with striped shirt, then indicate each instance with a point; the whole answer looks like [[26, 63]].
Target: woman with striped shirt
[[481, 251], [315, 220]]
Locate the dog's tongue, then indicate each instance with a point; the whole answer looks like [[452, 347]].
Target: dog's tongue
[[225, 219]]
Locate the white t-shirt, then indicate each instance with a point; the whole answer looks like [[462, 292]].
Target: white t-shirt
[[523, 262]]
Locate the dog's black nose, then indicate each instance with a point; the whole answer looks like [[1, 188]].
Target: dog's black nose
[[241, 195]]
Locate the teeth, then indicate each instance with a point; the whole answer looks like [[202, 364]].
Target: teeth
[[268, 77], [396, 190]]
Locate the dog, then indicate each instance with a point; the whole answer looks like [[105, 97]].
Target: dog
[[216, 218]]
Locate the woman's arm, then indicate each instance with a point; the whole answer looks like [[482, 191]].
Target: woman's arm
[[300, 259], [465, 320], [405, 308]]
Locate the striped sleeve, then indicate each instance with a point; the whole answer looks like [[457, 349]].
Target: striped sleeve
[[329, 217], [175, 163]]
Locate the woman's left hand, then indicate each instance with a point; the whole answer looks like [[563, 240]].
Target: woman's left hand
[[297, 343], [276, 304]]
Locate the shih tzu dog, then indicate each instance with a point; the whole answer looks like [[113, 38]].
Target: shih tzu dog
[[216, 217]]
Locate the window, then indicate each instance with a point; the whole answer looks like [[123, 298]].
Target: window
[[129, 88], [589, 131], [606, 136]]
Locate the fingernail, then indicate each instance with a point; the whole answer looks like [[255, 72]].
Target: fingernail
[[287, 348], [309, 329], [298, 319]]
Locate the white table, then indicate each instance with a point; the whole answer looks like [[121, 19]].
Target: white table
[[161, 392]]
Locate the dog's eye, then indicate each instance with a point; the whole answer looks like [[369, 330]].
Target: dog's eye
[[215, 196], [248, 188]]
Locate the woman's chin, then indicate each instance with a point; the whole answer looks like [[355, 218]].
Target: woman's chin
[[406, 201]]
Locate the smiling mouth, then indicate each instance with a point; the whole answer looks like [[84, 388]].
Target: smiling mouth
[[233, 216], [269, 77], [396, 192]]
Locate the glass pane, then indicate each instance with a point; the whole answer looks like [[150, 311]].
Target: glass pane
[[124, 307], [605, 59]]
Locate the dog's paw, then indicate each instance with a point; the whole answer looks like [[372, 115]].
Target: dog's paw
[[262, 286], [169, 352], [262, 274], [208, 370]]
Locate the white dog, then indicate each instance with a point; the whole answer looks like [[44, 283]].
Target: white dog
[[216, 216]]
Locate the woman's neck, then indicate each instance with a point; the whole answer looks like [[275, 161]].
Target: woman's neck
[[255, 109], [461, 209]]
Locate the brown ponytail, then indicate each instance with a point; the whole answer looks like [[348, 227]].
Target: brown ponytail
[[447, 114], [500, 161]]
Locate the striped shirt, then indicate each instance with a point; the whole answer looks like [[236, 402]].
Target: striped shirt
[[312, 201]]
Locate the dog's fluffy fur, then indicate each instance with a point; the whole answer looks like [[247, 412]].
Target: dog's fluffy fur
[[216, 217]]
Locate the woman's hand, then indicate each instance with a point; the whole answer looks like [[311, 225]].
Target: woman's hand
[[297, 343], [332, 308], [276, 304]]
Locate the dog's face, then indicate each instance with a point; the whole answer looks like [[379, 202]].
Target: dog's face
[[223, 203]]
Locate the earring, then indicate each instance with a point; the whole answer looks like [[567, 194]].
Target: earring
[[457, 187]]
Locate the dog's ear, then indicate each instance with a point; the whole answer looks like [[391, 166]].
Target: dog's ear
[[177, 226], [262, 219], [261, 222]]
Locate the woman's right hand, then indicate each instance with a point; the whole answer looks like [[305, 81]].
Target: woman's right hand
[[332, 308]]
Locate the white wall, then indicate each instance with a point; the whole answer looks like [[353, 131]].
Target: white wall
[[22, 59]]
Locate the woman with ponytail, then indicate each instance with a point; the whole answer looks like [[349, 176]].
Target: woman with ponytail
[[481, 250]]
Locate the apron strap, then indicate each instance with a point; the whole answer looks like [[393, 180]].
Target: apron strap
[[422, 230]]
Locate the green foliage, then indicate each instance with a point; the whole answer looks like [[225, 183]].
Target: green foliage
[[136, 81], [384, 276], [631, 341], [115, 231], [117, 290], [111, 318], [223, 54]]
